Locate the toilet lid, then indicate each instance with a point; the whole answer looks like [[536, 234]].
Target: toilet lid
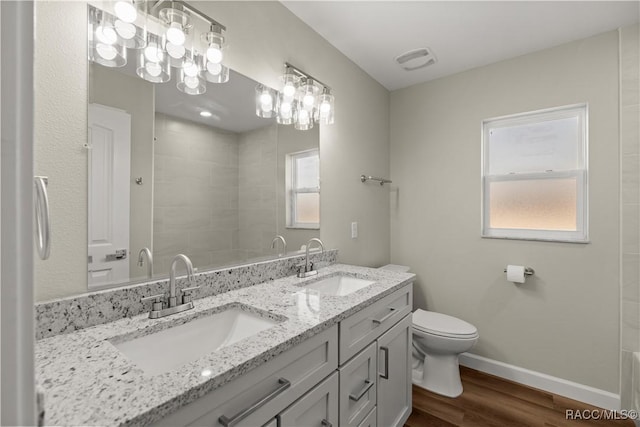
[[441, 324]]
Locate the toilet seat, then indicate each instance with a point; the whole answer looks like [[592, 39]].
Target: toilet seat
[[443, 325]]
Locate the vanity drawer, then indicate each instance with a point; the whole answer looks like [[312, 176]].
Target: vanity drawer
[[319, 407], [370, 420], [259, 395], [359, 330], [358, 387]]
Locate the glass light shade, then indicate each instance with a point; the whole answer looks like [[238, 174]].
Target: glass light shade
[[153, 63], [265, 102], [191, 85], [103, 48], [289, 86], [302, 119], [190, 80], [214, 41], [285, 110], [175, 53], [126, 11], [325, 112], [130, 35], [215, 73], [308, 96], [178, 22]]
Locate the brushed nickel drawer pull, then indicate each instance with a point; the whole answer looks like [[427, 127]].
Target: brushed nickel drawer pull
[[230, 422], [367, 385], [386, 317], [386, 363]]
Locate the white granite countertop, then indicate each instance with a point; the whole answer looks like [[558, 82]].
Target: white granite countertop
[[87, 381]]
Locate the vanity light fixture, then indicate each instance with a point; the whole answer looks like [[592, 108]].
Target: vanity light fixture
[[190, 81], [164, 34], [265, 102], [103, 38], [302, 101]]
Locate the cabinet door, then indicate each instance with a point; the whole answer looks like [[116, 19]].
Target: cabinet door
[[394, 374], [358, 387], [317, 408]]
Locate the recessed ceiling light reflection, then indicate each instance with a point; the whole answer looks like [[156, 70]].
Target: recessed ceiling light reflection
[[206, 113], [206, 373]]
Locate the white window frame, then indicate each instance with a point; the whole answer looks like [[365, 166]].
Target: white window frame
[[292, 191], [581, 235]]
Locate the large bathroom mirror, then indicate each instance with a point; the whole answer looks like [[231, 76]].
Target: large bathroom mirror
[[195, 174], [199, 174]]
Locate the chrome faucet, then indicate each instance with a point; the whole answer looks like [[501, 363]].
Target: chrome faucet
[[284, 244], [158, 307], [306, 269], [145, 252], [172, 277]]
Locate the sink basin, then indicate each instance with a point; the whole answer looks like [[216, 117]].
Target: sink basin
[[339, 285], [171, 348]]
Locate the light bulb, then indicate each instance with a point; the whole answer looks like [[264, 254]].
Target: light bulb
[[289, 90], [153, 68], [153, 53], [214, 53], [214, 68], [325, 107], [125, 30], [106, 35], [191, 82], [308, 100], [303, 117], [266, 98], [126, 11], [175, 51], [107, 51], [175, 35], [285, 110], [190, 68]]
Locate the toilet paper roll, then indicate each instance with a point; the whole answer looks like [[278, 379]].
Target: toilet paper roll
[[515, 273]]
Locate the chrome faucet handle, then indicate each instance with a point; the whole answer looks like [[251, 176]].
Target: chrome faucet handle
[[157, 301], [186, 294]]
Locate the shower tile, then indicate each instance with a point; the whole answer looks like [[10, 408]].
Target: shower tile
[[631, 277], [631, 234], [630, 178]]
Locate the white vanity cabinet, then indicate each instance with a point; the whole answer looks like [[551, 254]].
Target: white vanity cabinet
[[355, 374]]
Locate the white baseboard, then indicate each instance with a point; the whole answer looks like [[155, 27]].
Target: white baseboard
[[580, 392]]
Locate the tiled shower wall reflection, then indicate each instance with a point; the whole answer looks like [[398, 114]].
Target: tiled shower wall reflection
[[195, 206], [630, 203]]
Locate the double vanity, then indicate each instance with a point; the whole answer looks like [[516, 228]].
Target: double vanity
[[327, 350]]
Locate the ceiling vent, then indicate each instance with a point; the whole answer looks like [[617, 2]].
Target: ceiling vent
[[416, 59]]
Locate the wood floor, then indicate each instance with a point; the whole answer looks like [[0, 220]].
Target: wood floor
[[494, 402]]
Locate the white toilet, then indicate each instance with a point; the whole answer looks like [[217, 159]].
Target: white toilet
[[438, 340]]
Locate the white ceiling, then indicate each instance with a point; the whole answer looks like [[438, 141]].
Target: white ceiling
[[461, 34]]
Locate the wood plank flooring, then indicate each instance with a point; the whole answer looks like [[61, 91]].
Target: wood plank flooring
[[490, 401]]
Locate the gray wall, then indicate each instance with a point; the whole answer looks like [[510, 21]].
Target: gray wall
[[630, 186], [257, 207], [196, 186], [136, 97], [565, 320]]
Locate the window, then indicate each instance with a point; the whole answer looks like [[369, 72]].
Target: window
[[534, 178], [303, 189]]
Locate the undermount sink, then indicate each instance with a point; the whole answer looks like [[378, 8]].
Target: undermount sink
[[172, 348], [339, 285]]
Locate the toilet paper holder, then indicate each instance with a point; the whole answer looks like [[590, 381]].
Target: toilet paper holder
[[528, 271]]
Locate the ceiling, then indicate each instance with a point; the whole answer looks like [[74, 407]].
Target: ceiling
[[461, 34]]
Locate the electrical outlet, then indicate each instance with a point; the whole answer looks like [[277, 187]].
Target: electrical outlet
[[354, 230]]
